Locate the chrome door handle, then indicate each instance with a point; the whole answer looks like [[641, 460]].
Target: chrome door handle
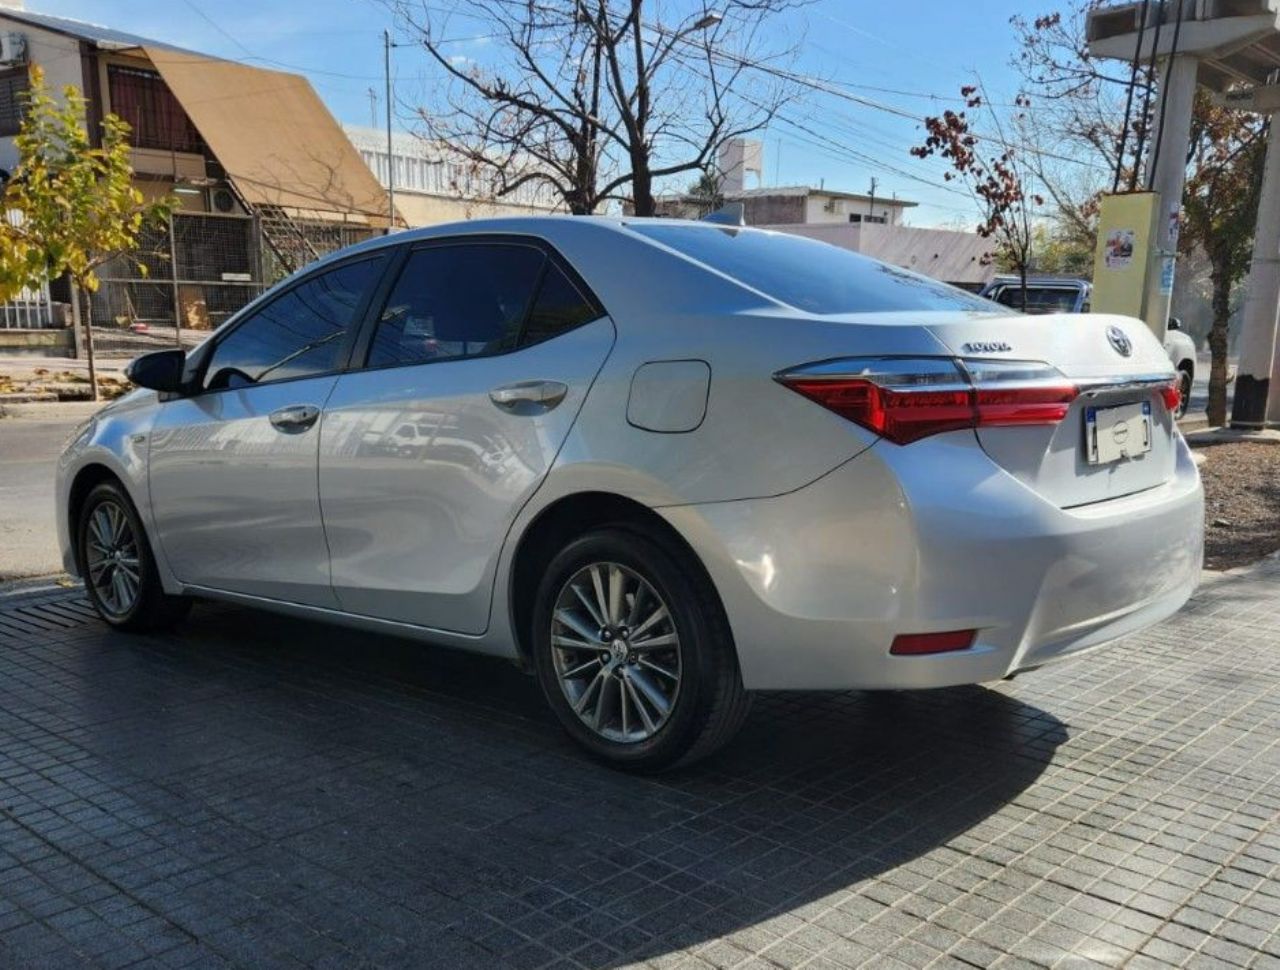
[[529, 397], [295, 418]]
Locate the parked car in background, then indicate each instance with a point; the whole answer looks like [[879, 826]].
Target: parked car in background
[[660, 463], [1066, 294]]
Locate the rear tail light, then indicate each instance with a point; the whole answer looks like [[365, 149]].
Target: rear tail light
[[1172, 395], [918, 644], [906, 399]]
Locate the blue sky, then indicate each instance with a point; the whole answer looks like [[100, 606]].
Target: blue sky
[[902, 54]]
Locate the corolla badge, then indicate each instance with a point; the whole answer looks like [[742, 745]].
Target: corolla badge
[[986, 347], [1119, 341]]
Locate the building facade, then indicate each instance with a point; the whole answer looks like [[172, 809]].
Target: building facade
[[264, 177], [434, 185], [873, 225]]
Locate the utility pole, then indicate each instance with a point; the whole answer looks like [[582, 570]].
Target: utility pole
[[874, 183], [373, 108], [391, 168]]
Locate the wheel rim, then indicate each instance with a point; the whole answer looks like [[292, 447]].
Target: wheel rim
[[111, 558], [616, 652]]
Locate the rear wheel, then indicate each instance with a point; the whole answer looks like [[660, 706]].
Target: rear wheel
[[1185, 380], [633, 652], [118, 568]]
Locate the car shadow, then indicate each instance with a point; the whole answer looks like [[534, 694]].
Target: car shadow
[[403, 801]]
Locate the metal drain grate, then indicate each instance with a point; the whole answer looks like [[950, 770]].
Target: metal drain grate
[[43, 610]]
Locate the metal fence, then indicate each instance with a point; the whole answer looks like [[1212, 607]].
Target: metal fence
[[31, 309], [196, 271], [192, 273], [203, 267]]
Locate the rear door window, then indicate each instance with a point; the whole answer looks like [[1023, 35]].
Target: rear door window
[[456, 301], [559, 307]]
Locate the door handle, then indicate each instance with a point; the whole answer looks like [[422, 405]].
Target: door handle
[[529, 397], [295, 418]]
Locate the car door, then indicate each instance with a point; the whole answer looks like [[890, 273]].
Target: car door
[[233, 467], [474, 371]]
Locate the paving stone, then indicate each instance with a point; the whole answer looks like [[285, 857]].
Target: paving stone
[[256, 791]]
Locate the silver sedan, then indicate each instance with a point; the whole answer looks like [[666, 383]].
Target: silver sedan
[[662, 464]]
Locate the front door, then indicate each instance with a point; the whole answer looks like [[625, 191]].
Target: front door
[[476, 369], [233, 467]]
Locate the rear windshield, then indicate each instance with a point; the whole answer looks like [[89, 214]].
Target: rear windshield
[[1040, 299], [810, 275]]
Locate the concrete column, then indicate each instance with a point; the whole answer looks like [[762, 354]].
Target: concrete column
[[1259, 369], [1177, 97]]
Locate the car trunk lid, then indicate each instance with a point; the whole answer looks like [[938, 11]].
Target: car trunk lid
[[1119, 435]]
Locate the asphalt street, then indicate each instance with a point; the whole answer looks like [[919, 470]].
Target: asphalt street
[[29, 447]]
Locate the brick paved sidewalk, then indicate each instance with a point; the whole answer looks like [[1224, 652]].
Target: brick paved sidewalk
[[262, 792]]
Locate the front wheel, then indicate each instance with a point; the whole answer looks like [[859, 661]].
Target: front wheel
[[634, 654], [118, 568]]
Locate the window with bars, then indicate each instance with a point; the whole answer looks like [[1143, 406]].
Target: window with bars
[[143, 100], [14, 84]]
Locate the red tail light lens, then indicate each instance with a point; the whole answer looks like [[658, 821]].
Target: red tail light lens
[[918, 644], [1017, 392], [900, 416], [1172, 395], [905, 400]]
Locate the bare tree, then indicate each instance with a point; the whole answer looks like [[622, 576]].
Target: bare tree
[[601, 99], [991, 168], [1079, 122], [1088, 101]]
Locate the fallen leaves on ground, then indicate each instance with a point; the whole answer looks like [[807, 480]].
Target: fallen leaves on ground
[[65, 385], [1241, 502]]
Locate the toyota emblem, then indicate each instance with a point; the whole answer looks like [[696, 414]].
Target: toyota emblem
[[1119, 340]]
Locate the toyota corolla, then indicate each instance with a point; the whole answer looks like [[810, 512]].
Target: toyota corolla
[[662, 464]]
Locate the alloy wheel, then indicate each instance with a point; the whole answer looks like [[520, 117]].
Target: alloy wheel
[[616, 652], [111, 558]]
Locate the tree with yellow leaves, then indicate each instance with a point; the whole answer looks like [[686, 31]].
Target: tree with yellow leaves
[[71, 205]]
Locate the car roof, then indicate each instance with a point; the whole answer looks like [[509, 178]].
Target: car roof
[[548, 226]]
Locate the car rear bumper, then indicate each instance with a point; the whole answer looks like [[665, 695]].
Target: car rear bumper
[[936, 537]]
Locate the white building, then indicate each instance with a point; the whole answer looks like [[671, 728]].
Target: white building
[[434, 185], [872, 225]]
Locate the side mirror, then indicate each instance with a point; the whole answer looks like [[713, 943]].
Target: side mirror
[[160, 371], [1175, 323]]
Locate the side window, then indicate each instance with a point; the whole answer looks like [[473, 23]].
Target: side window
[[298, 334], [462, 300], [558, 307]]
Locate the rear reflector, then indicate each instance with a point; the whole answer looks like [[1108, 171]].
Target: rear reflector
[[905, 400], [916, 644]]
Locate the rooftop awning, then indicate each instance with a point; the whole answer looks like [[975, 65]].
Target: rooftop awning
[[274, 137]]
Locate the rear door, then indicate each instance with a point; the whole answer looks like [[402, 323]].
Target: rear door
[[474, 371]]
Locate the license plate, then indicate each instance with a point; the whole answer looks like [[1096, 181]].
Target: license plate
[[1112, 434]]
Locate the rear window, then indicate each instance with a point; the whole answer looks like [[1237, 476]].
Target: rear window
[[1040, 299], [810, 275]]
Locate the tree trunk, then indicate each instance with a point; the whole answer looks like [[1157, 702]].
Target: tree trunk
[[1218, 347], [1022, 277], [76, 321], [642, 189]]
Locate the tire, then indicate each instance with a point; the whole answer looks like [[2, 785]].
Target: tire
[[705, 703], [118, 568], [1185, 381]]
